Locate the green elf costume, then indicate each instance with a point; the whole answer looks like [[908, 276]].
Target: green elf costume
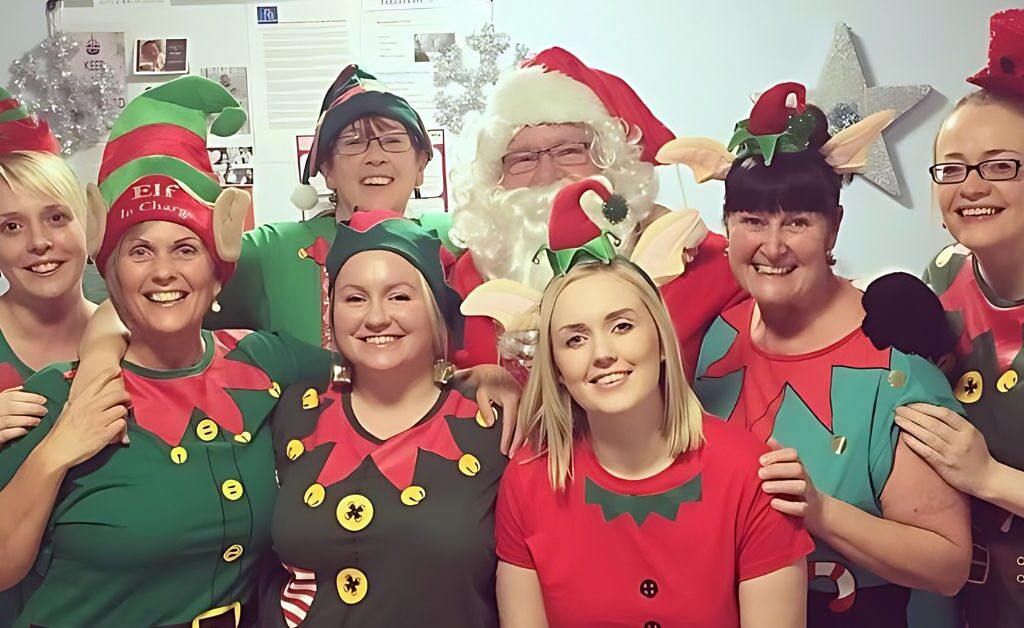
[[280, 283], [19, 131], [384, 532], [835, 406], [170, 530]]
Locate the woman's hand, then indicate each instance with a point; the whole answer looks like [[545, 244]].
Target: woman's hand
[[783, 475], [949, 444], [496, 387], [91, 421], [20, 411]]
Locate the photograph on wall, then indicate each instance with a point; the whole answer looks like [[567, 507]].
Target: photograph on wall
[[427, 46], [97, 51], [232, 164], [236, 81], [161, 56]]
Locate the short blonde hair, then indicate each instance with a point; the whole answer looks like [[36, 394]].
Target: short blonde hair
[[44, 175], [552, 420]]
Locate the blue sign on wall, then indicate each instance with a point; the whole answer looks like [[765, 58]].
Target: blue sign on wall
[[266, 15]]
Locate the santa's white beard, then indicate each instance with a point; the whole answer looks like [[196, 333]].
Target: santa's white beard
[[505, 235]]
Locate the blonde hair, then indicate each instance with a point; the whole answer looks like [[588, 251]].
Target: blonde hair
[[552, 420], [44, 175]]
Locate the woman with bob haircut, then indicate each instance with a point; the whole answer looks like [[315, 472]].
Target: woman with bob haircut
[[612, 513]]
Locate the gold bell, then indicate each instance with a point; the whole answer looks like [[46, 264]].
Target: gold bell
[[341, 375], [444, 371]]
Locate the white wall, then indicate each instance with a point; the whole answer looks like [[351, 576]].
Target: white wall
[[696, 64]]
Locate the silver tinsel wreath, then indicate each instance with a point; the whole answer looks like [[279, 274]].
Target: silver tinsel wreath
[[79, 110], [450, 69]]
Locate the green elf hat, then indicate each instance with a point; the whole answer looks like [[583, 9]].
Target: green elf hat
[[354, 94], [382, 230], [778, 122], [155, 167], [572, 235], [20, 131]]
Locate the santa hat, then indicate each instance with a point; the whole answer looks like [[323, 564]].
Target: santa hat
[[21, 131], [556, 87], [382, 230], [1005, 69], [354, 94], [155, 165]]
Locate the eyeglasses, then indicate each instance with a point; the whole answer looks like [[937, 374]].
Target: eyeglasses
[[990, 170], [567, 154], [389, 143]]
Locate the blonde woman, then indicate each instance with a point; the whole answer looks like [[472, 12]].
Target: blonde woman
[[629, 506]]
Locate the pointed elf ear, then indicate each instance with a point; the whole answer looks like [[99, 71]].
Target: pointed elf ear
[[229, 221], [847, 151], [707, 158], [662, 249], [95, 219], [510, 303]]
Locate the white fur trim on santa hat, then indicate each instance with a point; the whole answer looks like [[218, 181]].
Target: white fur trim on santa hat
[[533, 95]]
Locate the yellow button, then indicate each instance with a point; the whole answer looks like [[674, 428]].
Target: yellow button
[[355, 512], [413, 495], [207, 430], [481, 421], [946, 255], [469, 465], [232, 553], [351, 585], [897, 379], [310, 399], [1007, 381], [314, 495], [969, 387], [275, 390], [232, 490], [179, 455], [294, 449], [244, 437], [303, 254]]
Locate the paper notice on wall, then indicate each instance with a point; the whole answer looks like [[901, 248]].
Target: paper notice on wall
[[101, 50], [298, 59]]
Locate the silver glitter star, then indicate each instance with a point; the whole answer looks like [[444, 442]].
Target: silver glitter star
[[844, 96]]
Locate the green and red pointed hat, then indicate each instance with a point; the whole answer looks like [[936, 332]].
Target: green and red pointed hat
[[774, 124], [155, 165], [20, 130], [572, 235], [1005, 70]]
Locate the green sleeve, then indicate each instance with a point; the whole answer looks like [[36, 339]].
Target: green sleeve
[[285, 358], [922, 382], [243, 300], [49, 383]]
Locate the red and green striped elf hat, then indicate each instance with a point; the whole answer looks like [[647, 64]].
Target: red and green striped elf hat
[[155, 165], [21, 131], [572, 235]]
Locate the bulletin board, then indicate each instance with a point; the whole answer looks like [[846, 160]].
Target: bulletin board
[[279, 58]]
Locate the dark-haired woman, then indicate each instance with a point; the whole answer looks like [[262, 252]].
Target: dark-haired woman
[[794, 363]]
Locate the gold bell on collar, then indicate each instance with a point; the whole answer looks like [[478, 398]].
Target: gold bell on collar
[[341, 374], [444, 371]]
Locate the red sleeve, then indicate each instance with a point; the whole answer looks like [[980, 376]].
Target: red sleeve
[[509, 528], [696, 298], [480, 340], [768, 540]]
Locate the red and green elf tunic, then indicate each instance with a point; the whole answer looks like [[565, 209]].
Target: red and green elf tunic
[[836, 407], [176, 523], [988, 362], [665, 551], [374, 532]]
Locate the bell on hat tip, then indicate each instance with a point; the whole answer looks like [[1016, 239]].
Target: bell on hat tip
[[305, 197]]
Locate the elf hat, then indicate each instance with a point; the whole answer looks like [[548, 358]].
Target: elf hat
[[155, 167], [21, 131], [354, 94], [382, 230], [1005, 70], [555, 87]]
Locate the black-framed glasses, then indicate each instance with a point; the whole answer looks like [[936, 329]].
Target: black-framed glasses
[[990, 170], [389, 143], [566, 154]]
